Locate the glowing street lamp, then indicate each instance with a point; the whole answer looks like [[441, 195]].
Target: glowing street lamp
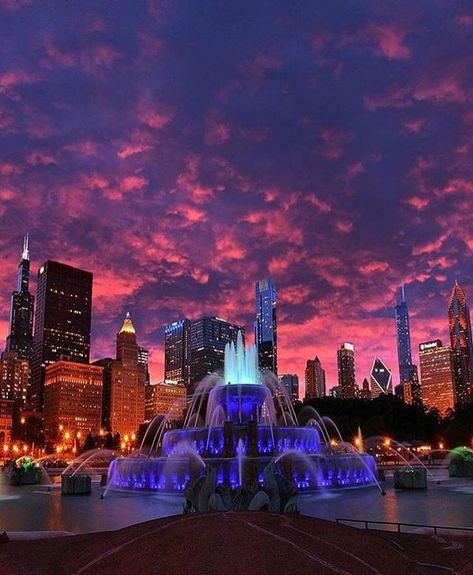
[[387, 442]]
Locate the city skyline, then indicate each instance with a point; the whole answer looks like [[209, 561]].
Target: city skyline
[[327, 148], [159, 373]]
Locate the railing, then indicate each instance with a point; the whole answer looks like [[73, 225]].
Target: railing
[[368, 522]]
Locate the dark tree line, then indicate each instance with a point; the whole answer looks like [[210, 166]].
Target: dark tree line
[[389, 416]]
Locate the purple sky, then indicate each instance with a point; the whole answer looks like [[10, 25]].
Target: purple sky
[[182, 150]]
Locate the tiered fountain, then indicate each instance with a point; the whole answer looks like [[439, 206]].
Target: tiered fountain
[[249, 423]]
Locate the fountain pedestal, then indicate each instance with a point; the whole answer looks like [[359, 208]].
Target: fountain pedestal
[[76, 485], [410, 479]]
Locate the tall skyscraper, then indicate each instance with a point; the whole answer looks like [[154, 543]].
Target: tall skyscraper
[[290, 384], [314, 379], [346, 370], [381, 379], [62, 321], [177, 352], [266, 331], [124, 378], [20, 338], [461, 342], [408, 375], [208, 338], [437, 376]]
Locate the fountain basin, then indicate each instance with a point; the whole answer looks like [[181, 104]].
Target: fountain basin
[[309, 473]]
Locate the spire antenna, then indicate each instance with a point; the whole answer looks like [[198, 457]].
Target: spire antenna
[[403, 293], [26, 252]]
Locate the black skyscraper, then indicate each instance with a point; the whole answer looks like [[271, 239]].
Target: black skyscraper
[[208, 337], [62, 321], [20, 338]]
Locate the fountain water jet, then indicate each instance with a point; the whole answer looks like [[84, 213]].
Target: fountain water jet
[[239, 436]]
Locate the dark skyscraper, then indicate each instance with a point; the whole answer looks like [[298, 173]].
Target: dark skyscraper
[[408, 376], [20, 338], [208, 338], [460, 338], [346, 370], [381, 379], [314, 379], [266, 326], [177, 352], [62, 321]]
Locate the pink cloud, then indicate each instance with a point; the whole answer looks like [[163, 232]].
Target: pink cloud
[[39, 158], [155, 119], [414, 126], [388, 40], [418, 203], [83, 147], [131, 183], [373, 267], [334, 142], [344, 227]]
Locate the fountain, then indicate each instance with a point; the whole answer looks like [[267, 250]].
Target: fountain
[[237, 438]]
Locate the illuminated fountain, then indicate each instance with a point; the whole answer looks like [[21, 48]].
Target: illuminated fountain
[[249, 423]]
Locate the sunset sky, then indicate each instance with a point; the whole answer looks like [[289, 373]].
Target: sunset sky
[[181, 151]]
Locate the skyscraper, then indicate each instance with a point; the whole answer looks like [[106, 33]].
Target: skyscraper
[[20, 338], [72, 397], [177, 352], [14, 372], [314, 379], [208, 337], [143, 359], [461, 343], [290, 384], [124, 378], [381, 379], [62, 321], [266, 331], [346, 370], [437, 376], [167, 398], [408, 375]]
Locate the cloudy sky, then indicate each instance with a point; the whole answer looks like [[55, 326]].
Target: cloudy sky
[[182, 150]]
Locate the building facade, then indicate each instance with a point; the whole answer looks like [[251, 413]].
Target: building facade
[[72, 398], [437, 376], [381, 379], [6, 420], [124, 381], [408, 374], [290, 383], [315, 385], [143, 359], [266, 331], [20, 338], [177, 352], [166, 398], [346, 370], [62, 321], [14, 375], [208, 338], [365, 391], [461, 344]]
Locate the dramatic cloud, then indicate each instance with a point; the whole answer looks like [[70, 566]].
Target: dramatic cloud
[[182, 151]]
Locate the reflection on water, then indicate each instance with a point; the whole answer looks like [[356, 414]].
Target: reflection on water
[[449, 503]]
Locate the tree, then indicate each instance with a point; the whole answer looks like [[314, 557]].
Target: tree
[[89, 443]]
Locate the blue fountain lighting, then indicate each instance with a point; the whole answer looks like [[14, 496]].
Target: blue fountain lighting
[[239, 439]]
